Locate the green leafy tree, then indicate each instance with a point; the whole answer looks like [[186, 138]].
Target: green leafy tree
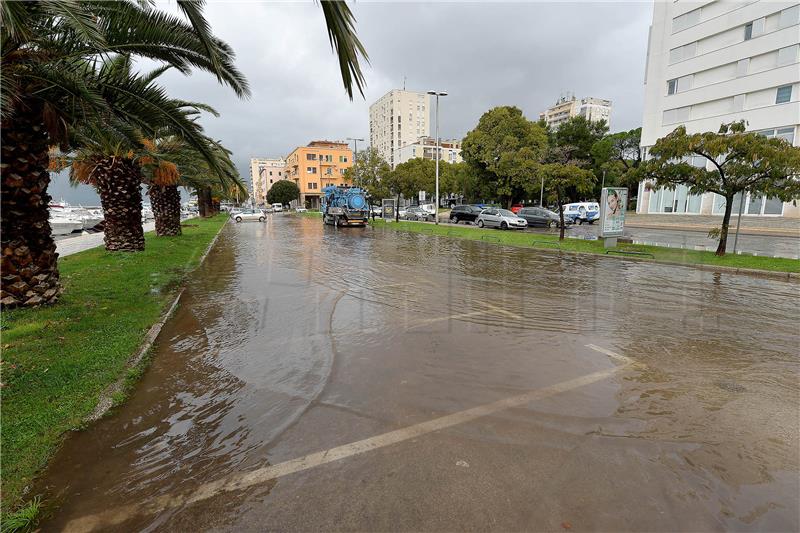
[[283, 192], [562, 177], [739, 162], [369, 171], [501, 151], [619, 156], [403, 181]]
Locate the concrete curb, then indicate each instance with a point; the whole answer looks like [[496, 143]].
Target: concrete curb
[[106, 400], [762, 232]]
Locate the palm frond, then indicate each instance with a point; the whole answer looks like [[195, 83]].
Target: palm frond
[[342, 34]]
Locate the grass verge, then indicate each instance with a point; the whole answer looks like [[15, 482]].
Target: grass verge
[[550, 242], [57, 360]]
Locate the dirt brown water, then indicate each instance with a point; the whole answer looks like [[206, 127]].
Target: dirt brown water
[[294, 338]]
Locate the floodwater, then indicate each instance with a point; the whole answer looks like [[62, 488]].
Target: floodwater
[[318, 379]]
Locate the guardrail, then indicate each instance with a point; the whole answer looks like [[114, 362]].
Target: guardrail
[[535, 243], [628, 252]]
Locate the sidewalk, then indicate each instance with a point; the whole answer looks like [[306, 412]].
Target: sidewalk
[[773, 226], [73, 245]]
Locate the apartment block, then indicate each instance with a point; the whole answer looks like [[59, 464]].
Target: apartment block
[[716, 62], [396, 119], [425, 147], [263, 173], [567, 106], [316, 166]]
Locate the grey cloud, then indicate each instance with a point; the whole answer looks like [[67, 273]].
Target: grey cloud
[[483, 54]]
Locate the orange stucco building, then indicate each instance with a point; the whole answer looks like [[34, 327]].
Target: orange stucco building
[[316, 166]]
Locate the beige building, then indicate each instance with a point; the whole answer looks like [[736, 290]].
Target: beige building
[[263, 173], [425, 147], [592, 109], [396, 119], [316, 166]]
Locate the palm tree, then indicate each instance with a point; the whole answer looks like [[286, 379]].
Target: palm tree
[[44, 49], [175, 162], [112, 151]]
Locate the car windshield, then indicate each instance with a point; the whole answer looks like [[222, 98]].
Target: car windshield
[[505, 213]]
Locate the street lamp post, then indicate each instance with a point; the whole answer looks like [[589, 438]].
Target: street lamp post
[[437, 94], [355, 156]]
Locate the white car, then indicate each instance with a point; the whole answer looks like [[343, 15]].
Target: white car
[[582, 212], [500, 218], [277, 208], [300, 210], [249, 214]]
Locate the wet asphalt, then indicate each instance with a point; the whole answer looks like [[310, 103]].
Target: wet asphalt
[[316, 379]]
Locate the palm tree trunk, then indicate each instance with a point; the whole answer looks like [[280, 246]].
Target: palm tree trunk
[[119, 183], [166, 201], [29, 259]]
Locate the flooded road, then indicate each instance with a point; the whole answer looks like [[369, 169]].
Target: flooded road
[[359, 379]]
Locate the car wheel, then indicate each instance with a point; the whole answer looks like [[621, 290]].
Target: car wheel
[[454, 220], [238, 219], [503, 226], [480, 223], [553, 224], [261, 219], [578, 221]]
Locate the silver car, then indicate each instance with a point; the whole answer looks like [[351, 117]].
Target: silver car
[[249, 214], [500, 218]]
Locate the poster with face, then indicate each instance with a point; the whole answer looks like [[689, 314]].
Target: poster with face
[[612, 211]]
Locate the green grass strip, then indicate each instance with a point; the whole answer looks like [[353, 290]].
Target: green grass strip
[[547, 242], [58, 359]]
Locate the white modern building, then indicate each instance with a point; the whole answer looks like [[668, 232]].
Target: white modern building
[[263, 173], [425, 147], [396, 119], [717, 62], [567, 106]]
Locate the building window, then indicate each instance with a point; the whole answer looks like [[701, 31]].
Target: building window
[[748, 31], [311, 170], [270, 173], [783, 95], [672, 86], [311, 157], [342, 159]]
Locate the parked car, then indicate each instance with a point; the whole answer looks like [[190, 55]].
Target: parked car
[[277, 207], [515, 208], [582, 212], [267, 209], [500, 218], [249, 214], [464, 213], [417, 213], [541, 217], [401, 213], [300, 210]]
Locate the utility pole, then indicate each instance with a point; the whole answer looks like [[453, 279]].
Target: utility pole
[[437, 94], [355, 157]]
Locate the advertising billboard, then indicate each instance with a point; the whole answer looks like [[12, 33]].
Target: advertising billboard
[[612, 211]]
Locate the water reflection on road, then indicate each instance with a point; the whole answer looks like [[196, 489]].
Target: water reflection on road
[[294, 338]]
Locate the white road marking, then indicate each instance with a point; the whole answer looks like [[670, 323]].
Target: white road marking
[[613, 355], [244, 480]]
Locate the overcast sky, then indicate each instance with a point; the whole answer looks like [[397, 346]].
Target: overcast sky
[[483, 54]]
